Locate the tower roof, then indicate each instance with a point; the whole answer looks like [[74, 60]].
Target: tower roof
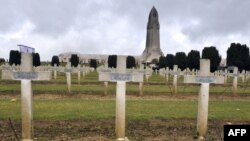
[[153, 13], [153, 19]]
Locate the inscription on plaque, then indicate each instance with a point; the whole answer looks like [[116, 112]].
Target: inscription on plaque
[[120, 77], [205, 79], [25, 75]]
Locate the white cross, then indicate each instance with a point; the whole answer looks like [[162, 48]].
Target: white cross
[[26, 75], [247, 75], [165, 72], [145, 73], [175, 73], [68, 70], [243, 76], [55, 68], [121, 77], [148, 73], [84, 72], [235, 76], [225, 75], [5, 66], [204, 79], [105, 69]]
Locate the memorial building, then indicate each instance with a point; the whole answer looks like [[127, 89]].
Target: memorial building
[[150, 55]]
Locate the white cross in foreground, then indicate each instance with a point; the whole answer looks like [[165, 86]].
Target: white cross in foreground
[[26, 75], [204, 79], [121, 77]]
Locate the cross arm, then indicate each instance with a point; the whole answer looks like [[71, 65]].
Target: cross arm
[[203, 79], [14, 75], [128, 77]]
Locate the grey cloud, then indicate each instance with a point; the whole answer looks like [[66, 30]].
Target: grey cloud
[[220, 18], [51, 17], [11, 16], [102, 25]]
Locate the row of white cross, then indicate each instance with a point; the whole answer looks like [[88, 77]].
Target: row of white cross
[[120, 76], [44, 72], [187, 74]]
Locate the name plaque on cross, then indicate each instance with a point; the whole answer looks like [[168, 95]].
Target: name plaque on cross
[[25, 75], [205, 79], [128, 77], [120, 77]]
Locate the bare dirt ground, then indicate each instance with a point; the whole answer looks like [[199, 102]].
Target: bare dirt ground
[[104, 130]]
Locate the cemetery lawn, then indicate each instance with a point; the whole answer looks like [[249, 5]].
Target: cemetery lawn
[[136, 108], [90, 85]]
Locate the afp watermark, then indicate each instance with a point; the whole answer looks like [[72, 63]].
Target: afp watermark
[[236, 132]]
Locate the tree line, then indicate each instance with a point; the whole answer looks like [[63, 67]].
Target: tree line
[[15, 59], [112, 59], [237, 55], [191, 60]]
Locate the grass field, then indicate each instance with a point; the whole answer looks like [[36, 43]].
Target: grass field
[[90, 85], [63, 109], [53, 105]]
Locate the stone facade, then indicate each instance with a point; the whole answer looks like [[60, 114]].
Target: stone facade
[[84, 58]]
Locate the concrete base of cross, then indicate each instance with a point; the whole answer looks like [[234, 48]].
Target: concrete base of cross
[[122, 139], [27, 140]]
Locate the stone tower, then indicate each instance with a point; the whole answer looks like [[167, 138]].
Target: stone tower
[[152, 50]]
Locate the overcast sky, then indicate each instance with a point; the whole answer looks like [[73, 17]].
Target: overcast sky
[[119, 26]]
